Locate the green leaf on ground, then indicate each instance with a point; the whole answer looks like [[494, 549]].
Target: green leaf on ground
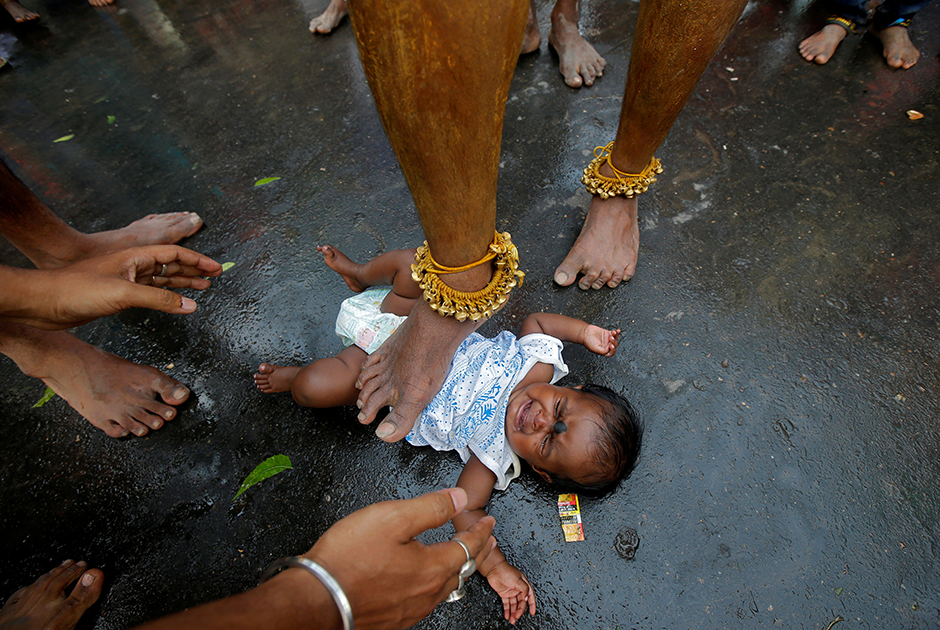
[[268, 468], [64, 138], [46, 397], [111, 120], [227, 266], [838, 591], [100, 99], [266, 180]]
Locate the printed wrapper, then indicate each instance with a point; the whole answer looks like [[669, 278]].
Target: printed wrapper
[[570, 512]]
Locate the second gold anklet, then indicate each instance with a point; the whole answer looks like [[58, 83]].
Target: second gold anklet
[[626, 184]]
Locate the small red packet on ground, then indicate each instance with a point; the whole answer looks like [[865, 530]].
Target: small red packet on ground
[[570, 512]]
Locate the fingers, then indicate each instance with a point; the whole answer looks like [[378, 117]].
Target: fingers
[[143, 296], [530, 596], [428, 512], [193, 263]]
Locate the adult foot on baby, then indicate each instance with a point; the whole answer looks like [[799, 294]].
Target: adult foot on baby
[[899, 51], [153, 229], [407, 371], [579, 62], [820, 46], [341, 264], [18, 12], [607, 248], [329, 19], [44, 604], [272, 379], [115, 395]]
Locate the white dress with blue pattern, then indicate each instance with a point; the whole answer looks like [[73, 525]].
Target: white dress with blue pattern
[[468, 415]]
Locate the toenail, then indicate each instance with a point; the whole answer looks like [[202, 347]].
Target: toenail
[[88, 579], [124, 433], [358, 384], [168, 414], [140, 431], [361, 417], [359, 403], [180, 393], [81, 563], [67, 562], [385, 429], [561, 277], [157, 424], [194, 219]]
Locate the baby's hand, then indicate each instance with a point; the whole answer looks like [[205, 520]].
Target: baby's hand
[[515, 590], [601, 341]]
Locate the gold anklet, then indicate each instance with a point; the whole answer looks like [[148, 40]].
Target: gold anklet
[[475, 305], [626, 184], [848, 25]]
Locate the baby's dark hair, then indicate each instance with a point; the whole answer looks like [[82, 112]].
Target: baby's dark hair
[[618, 444]]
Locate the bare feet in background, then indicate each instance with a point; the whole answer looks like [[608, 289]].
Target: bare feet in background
[[18, 12], [272, 379], [579, 63], [100, 3], [329, 19], [820, 46], [44, 604], [153, 229], [532, 38], [899, 52], [115, 395]]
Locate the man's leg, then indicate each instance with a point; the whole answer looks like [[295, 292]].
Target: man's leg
[[49, 242], [115, 395], [440, 74], [673, 44]]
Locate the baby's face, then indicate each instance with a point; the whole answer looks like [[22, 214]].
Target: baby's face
[[553, 428]]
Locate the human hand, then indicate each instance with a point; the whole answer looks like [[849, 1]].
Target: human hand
[[601, 341], [514, 589], [108, 284], [391, 579]]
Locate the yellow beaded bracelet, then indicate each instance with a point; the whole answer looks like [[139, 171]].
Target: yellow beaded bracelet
[[626, 184], [475, 305]]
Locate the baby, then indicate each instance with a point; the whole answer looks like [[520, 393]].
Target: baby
[[497, 404]]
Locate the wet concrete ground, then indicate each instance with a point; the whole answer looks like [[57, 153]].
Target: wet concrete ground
[[781, 338]]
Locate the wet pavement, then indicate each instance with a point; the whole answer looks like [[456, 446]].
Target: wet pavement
[[781, 337]]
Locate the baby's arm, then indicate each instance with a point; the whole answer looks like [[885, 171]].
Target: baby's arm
[[596, 339], [508, 581]]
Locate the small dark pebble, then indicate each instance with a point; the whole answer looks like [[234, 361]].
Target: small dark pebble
[[626, 542]]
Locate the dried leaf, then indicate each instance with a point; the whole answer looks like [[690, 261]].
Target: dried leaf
[[111, 120], [46, 397], [268, 468], [64, 138], [266, 180], [227, 266], [913, 114]]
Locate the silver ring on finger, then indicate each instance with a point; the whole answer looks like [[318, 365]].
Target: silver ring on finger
[[466, 570]]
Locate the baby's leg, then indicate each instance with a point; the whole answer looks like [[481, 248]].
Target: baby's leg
[[392, 268], [329, 382]]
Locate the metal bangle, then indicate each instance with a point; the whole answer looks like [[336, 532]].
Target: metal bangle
[[345, 610], [466, 570]]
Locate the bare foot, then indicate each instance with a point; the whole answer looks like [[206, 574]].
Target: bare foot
[[532, 38], [820, 45], [579, 63], [607, 248], [154, 229], [341, 264], [115, 395], [407, 371], [19, 12], [100, 3], [899, 52], [329, 19], [44, 604], [272, 379]]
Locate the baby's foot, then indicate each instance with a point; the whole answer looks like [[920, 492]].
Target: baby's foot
[[272, 379], [820, 45], [44, 605], [341, 264], [899, 51], [329, 19], [19, 12]]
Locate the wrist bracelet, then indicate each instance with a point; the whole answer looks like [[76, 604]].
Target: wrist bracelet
[[345, 610]]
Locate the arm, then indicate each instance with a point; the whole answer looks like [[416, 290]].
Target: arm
[[596, 339], [395, 585], [508, 581], [78, 293]]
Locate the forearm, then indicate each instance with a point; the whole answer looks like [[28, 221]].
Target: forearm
[[559, 326], [464, 521], [291, 600], [21, 293]]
